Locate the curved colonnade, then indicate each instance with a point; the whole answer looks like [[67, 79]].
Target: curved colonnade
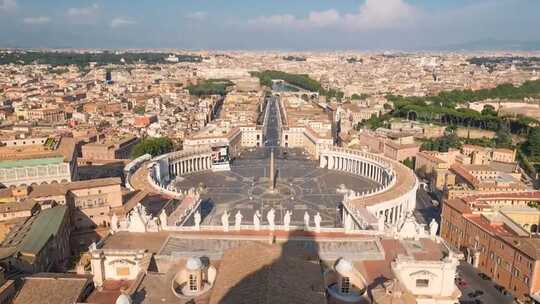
[[168, 166], [391, 201]]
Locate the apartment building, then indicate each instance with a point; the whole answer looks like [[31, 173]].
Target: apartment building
[[498, 235], [108, 148]]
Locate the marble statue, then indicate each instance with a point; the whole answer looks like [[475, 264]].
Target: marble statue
[[238, 220], [114, 223], [287, 220], [138, 219], [410, 229], [93, 246], [306, 219], [257, 220], [317, 220], [197, 220], [380, 224], [163, 219], [270, 216], [433, 227], [225, 221], [347, 223]]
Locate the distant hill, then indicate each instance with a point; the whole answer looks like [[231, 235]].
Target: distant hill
[[494, 44]]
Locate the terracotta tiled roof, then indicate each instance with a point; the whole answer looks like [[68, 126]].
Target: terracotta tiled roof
[[62, 189], [529, 246], [52, 289], [268, 274]]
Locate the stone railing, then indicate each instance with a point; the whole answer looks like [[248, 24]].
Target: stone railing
[[160, 189], [268, 228], [133, 166]]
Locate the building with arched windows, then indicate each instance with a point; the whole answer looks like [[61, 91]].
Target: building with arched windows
[[44, 162]]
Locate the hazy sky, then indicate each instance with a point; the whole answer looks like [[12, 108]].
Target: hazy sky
[[265, 24]]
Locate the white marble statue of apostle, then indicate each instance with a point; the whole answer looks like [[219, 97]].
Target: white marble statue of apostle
[[380, 224], [238, 220], [257, 220], [225, 221], [317, 220], [433, 227], [287, 220], [270, 217], [114, 223], [197, 220], [306, 220], [163, 219]]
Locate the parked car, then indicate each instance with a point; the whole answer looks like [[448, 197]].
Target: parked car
[[484, 276], [500, 289], [475, 293]]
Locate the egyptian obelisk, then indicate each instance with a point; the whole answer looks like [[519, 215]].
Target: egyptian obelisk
[[272, 172]]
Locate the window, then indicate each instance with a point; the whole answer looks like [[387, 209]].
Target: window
[[192, 282], [526, 280], [422, 283], [345, 285], [122, 271], [498, 260]]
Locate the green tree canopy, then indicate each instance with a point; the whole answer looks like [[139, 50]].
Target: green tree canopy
[[489, 110], [153, 146], [300, 80], [442, 144], [503, 138], [210, 87], [532, 146]]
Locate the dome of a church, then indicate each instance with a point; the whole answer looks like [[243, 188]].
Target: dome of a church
[[194, 263], [344, 266], [123, 299]]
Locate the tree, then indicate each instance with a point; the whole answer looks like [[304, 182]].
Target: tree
[[450, 129], [152, 146], [139, 110], [359, 96], [210, 87], [409, 163], [503, 138], [442, 144], [532, 146], [489, 110]]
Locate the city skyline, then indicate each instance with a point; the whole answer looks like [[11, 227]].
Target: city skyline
[[278, 25]]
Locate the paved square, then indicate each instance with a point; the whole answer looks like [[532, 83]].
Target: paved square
[[301, 185]]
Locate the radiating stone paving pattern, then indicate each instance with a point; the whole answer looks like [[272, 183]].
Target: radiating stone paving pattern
[[302, 187]]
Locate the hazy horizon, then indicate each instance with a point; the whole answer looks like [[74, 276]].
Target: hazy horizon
[[300, 25]]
